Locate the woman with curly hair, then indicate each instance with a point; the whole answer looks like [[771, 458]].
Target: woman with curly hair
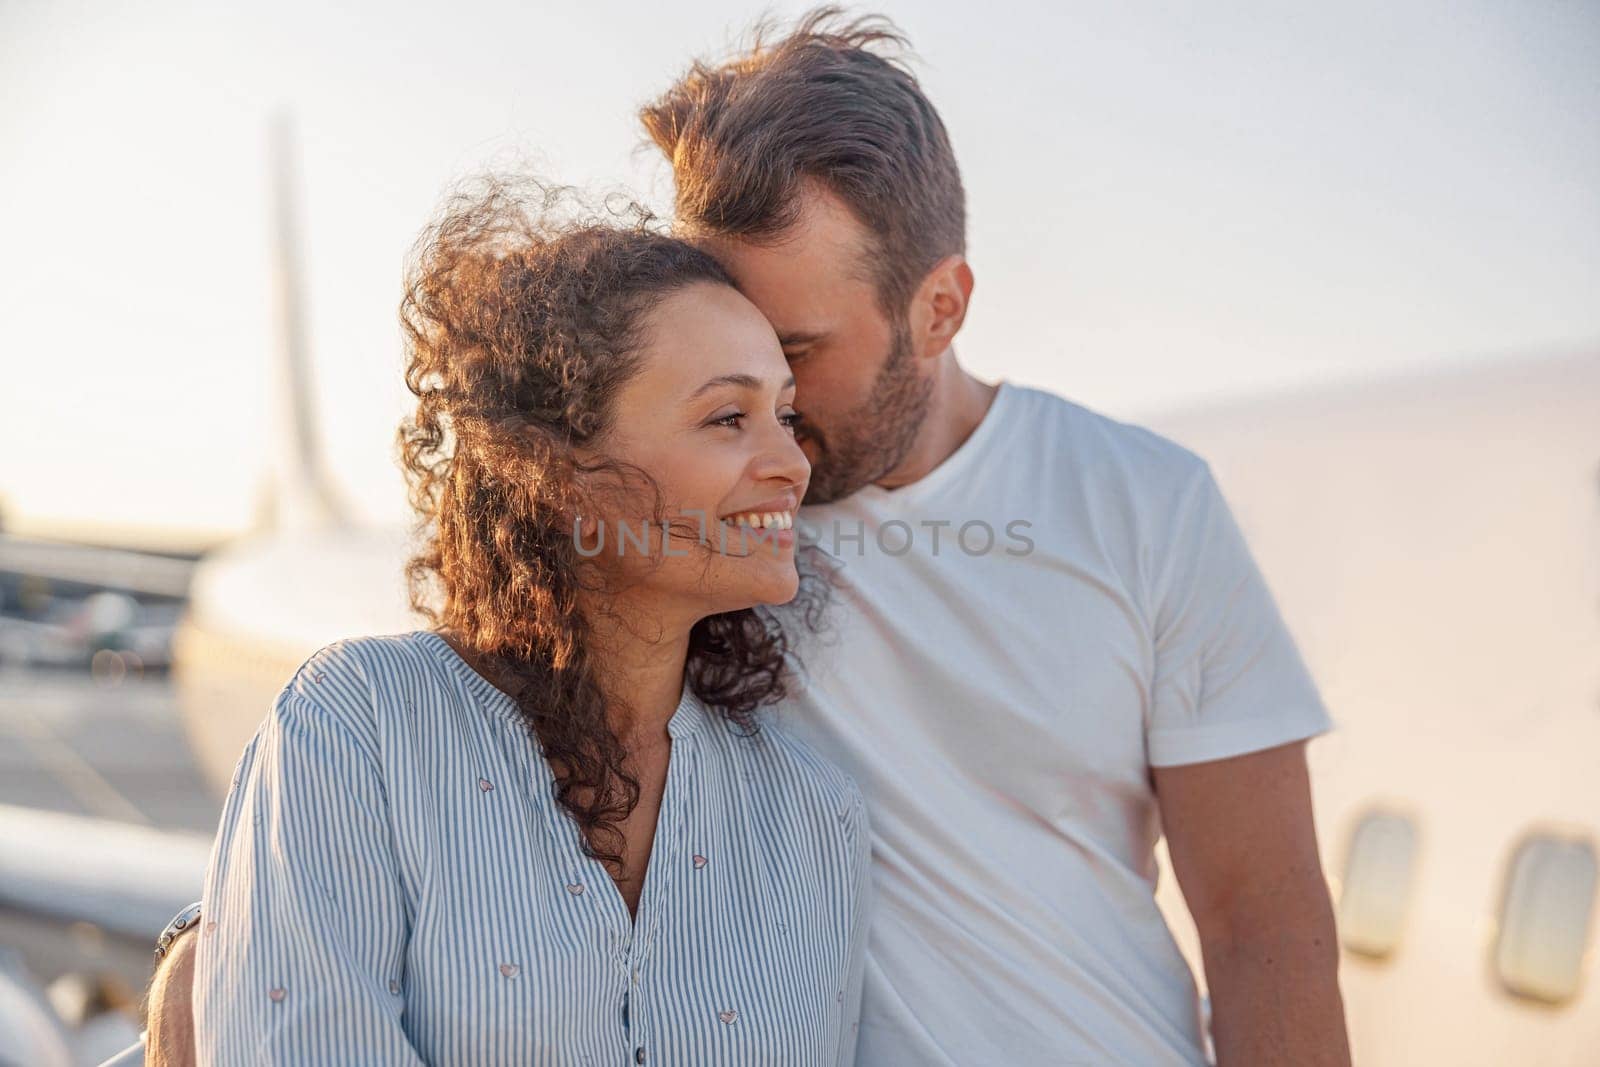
[[554, 827]]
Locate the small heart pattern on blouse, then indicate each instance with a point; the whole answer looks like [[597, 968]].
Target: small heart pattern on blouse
[[510, 970], [728, 1016], [575, 888], [277, 994], [700, 862], [485, 785]]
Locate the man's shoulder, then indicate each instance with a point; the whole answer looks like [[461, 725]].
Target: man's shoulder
[[1105, 449]]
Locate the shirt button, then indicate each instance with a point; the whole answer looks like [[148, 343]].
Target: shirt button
[[638, 1054]]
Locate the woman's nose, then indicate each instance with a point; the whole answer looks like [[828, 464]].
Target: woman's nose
[[782, 458]]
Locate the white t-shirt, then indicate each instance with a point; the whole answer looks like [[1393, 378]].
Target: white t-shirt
[[1000, 687]]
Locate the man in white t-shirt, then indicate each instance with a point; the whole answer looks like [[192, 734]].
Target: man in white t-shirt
[[1049, 640]]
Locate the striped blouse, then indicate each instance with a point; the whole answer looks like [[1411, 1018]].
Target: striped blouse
[[393, 883]]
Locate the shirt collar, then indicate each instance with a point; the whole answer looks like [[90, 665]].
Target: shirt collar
[[690, 717]]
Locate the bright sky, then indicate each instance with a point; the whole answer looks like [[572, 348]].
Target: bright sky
[[1169, 203]]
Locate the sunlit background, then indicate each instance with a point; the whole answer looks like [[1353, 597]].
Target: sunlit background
[[1169, 203], [1350, 252]]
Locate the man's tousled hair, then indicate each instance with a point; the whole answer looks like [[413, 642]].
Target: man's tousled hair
[[831, 101]]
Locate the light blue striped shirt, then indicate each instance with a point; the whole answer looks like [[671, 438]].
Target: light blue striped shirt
[[393, 882]]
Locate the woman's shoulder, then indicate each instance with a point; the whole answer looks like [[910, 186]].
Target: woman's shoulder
[[356, 679], [792, 766], [350, 667]]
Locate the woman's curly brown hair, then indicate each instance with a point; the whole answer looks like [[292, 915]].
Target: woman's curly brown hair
[[522, 321]]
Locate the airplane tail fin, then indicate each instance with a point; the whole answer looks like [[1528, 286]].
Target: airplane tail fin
[[298, 492]]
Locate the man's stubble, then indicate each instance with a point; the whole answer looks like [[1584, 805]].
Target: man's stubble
[[873, 439]]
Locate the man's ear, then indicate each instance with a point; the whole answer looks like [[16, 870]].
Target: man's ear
[[940, 305]]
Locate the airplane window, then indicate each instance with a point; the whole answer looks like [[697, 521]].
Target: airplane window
[[1379, 870], [1545, 916]]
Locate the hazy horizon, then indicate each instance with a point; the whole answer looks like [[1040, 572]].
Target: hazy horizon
[[1168, 208]]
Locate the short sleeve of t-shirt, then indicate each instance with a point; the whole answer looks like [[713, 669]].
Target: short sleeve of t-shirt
[[1228, 677]]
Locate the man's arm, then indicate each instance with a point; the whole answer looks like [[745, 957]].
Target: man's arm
[[1244, 849], [169, 1007]]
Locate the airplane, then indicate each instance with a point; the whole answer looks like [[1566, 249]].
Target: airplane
[[1434, 544], [1433, 541]]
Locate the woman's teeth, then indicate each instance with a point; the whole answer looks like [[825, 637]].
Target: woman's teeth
[[770, 520]]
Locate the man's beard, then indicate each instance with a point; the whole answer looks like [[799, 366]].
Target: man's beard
[[871, 440]]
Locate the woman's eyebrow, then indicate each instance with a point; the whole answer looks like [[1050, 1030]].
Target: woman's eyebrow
[[743, 381]]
